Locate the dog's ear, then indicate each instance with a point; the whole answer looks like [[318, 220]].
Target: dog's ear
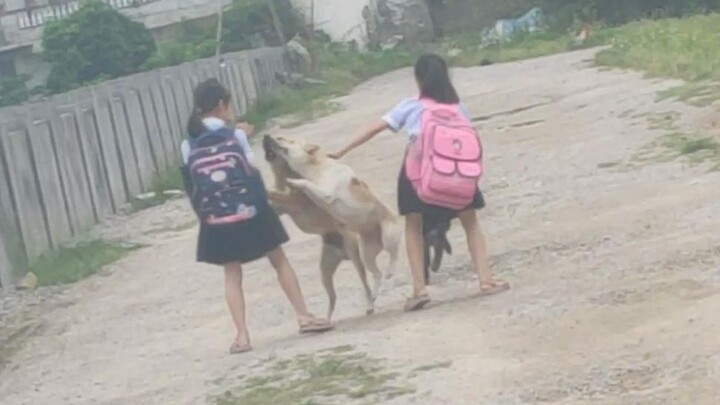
[[312, 149]]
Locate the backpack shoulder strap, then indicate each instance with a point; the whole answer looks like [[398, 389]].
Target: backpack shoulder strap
[[432, 105], [225, 132]]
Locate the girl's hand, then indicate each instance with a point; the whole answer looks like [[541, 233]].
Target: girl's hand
[[337, 155], [249, 129]]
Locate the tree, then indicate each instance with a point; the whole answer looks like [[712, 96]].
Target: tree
[[95, 42], [13, 90], [274, 22]]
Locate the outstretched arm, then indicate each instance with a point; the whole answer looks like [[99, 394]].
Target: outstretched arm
[[367, 135]]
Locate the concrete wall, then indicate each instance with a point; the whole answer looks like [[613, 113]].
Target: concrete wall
[[18, 28], [71, 161], [342, 20], [473, 15], [369, 22]]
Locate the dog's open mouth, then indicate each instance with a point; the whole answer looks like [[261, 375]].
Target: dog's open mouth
[[269, 146]]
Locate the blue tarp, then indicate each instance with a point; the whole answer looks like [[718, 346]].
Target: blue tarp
[[505, 29]]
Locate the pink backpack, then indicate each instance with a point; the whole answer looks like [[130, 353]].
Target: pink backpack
[[445, 163]]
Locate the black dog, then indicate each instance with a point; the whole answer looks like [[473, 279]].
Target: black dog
[[435, 233]]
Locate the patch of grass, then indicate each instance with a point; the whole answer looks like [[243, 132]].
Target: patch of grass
[[71, 264], [168, 180], [665, 120], [694, 148], [700, 94], [701, 147], [164, 187], [697, 148], [464, 50], [684, 48], [340, 375]]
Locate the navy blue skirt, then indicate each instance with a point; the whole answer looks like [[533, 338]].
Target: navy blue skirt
[[242, 242], [410, 203]]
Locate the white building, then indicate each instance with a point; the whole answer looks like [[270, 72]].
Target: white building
[[368, 21], [342, 20], [22, 23]]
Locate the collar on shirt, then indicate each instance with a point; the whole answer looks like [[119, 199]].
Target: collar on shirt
[[213, 123]]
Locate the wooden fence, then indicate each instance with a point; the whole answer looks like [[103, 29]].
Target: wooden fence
[[71, 161]]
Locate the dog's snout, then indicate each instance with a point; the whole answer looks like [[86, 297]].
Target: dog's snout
[[268, 144]]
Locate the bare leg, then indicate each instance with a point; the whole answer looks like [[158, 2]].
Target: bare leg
[[414, 242], [290, 285], [330, 259], [236, 302], [353, 250], [478, 250], [370, 247]]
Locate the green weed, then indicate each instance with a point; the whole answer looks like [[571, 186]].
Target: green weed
[[684, 48], [312, 379], [72, 264]]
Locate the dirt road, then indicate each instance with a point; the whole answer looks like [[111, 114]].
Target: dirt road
[[612, 248]]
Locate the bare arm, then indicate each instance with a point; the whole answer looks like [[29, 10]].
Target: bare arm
[[369, 133]]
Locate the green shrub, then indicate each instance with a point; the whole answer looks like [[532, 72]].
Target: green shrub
[[95, 42]]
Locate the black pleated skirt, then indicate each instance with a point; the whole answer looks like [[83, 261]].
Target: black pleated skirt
[[410, 203], [242, 242]]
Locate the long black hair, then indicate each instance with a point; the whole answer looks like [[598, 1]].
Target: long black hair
[[433, 76], [206, 98]]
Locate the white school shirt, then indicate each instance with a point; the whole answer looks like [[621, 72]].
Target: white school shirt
[[213, 124], [407, 116]]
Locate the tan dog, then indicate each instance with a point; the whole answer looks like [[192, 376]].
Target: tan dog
[[335, 189], [339, 242]]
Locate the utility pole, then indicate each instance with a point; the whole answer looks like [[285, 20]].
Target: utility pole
[[276, 22], [218, 37]]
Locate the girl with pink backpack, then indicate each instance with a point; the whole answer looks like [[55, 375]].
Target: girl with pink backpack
[[440, 174]]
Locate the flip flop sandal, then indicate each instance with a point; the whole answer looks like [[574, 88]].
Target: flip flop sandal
[[316, 326], [497, 287], [238, 348], [417, 303]]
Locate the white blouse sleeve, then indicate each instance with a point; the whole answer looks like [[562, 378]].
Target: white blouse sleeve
[[185, 151], [240, 135], [243, 139]]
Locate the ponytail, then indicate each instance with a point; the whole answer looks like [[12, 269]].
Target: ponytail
[[195, 126], [433, 76], [206, 97]]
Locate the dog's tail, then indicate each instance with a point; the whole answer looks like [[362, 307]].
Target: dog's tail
[[441, 246]]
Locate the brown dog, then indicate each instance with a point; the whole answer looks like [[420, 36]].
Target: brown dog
[[335, 189], [338, 242]]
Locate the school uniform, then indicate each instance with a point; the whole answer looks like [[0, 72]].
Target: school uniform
[[407, 117], [244, 241]]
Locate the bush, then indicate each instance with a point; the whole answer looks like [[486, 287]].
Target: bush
[[175, 53], [565, 13], [95, 42], [246, 25], [681, 48], [249, 19], [13, 90]]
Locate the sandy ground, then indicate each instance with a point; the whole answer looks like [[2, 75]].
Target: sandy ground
[[613, 260]]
